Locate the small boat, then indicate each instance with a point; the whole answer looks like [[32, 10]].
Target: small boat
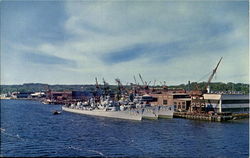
[[56, 112]]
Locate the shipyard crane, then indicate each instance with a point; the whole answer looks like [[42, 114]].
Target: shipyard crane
[[154, 83], [143, 83], [96, 83], [164, 85], [198, 102], [211, 76], [97, 90], [136, 86], [120, 86], [119, 93], [161, 83], [105, 87], [135, 81], [104, 82], [153, 86]]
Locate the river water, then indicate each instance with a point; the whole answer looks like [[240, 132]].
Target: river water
[[29, 128]]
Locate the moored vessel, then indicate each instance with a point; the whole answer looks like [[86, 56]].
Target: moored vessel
[[105, 108], [126, 114], [165, 111]]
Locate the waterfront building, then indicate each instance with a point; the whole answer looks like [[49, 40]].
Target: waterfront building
[[22, 95], [38, 95], [84, 95], [236, 103], [59, 95], [70, 95], [181, 101]]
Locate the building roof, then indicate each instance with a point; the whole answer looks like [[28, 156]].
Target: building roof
[[225, 96]]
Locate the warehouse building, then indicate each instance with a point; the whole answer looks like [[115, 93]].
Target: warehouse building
[[181, 101], [236, 103]]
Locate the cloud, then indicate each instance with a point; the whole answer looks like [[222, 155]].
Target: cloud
[[163, 40], [47, 59], [124, 55]]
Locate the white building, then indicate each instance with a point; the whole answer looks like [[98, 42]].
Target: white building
[[37, 95], [227, 102]]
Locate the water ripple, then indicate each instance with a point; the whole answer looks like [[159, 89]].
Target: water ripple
[[29, 129]]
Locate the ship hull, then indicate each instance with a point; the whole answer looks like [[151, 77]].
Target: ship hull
[[165, 111], [155, 112], [150, 113], [127, 114]]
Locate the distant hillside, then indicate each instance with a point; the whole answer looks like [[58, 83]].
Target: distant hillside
[[33, 87], [217, 86]]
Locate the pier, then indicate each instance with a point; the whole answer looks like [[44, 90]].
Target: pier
[[218, 117]]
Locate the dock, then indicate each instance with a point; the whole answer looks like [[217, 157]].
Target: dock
[[220, 117]]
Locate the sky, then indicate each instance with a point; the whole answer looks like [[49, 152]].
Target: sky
[[72, 42]]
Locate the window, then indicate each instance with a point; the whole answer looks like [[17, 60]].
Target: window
[[181, 96], [154, 99], [175, 103], [235, 101], [212, 101], [165, 102]]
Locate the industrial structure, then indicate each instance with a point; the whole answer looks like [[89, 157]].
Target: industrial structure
[[227, 102], [198, 101]]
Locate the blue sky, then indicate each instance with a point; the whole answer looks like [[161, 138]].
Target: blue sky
[[72, 42]]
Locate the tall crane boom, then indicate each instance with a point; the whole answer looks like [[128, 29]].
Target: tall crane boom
[[96, 83], [149, 82], [212, 75], [214, 71], [154, 82], [119, 82], [143, 83], [135, 80]]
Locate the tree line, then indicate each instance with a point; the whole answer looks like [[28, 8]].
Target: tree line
[[35, 87]]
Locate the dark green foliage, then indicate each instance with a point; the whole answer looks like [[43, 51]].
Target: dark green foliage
[[217, 86], [35, 87]]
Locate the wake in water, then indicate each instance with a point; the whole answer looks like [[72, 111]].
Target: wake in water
[[75, 148], [98, 152], [10, 135], [94, 151], [3, 131]]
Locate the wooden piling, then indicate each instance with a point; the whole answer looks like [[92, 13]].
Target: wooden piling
[[209, 117]]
